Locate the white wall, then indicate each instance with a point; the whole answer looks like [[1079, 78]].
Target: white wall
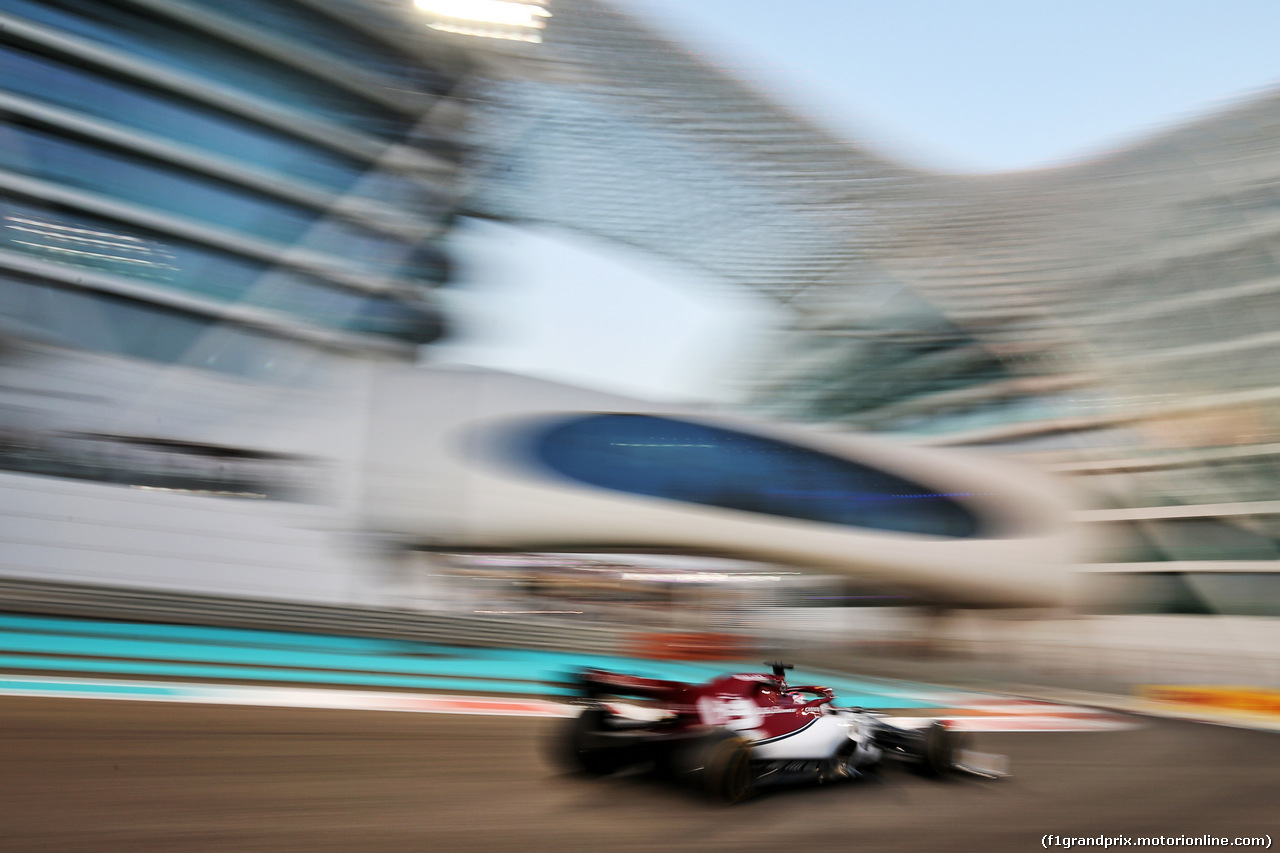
[[74, 532]]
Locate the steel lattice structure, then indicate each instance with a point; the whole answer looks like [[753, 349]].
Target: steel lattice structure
[[960, 302]]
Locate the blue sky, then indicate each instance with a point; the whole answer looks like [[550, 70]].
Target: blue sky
[[988, 85], [954, 85], [586, 313]]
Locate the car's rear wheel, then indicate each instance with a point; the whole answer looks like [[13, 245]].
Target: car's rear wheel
[[579, 748]]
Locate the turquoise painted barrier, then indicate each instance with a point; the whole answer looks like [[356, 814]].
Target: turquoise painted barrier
[[100, 648]]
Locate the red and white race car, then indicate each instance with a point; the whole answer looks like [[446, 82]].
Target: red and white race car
[[739, 733]]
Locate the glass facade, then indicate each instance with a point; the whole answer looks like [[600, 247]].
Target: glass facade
[[141, 33], [122, 154], [341, 40], [694, 463], [877, 356], [1189, 593], [87, 242], [1172, 539], [65, 83], [131, 327], [33, 73], [85, 164]]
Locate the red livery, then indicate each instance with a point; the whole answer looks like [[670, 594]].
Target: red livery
[[740, 732]]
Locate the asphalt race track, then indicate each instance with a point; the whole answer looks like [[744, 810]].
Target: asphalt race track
[[85, 775]]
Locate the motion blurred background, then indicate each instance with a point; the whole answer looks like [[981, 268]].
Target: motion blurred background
[[223, 222]]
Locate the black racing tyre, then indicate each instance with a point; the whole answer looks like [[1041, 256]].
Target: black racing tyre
[[725, 773], [578, 749], [940, 749]]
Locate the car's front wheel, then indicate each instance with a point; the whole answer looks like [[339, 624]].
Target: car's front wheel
[[940, 749], [722, 767]]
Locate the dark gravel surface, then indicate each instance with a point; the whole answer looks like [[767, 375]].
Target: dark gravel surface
[[82, 775]]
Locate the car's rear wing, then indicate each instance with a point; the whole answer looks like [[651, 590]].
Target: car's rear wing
[[596, 683]]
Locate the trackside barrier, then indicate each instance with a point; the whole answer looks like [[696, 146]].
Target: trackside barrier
[[689, 646], [1249, 699], [102, 602]]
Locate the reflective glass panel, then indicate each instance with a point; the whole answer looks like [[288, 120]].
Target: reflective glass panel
[[73, 239], [82, 164], [682, 461], [152, 37], [295, 21], [57, 82], [122, 326]]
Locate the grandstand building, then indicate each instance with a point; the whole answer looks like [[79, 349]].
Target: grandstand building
[[220, 218], [210, 212]]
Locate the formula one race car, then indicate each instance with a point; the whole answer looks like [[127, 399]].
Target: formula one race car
[[739, 733]]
